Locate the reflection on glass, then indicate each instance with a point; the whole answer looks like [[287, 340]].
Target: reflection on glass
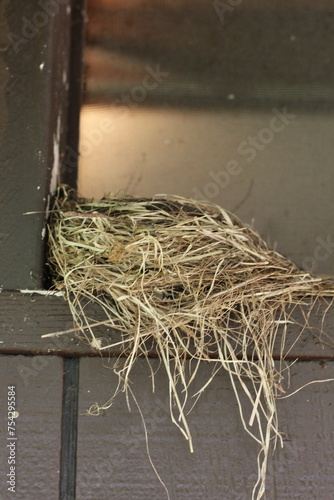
[[232, 106]]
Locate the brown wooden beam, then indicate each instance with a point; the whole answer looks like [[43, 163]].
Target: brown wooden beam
[[34, 84], [25, 317]]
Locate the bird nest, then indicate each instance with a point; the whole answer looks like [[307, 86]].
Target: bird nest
[[191, 280]]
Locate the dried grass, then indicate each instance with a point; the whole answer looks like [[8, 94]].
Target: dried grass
[[194, 279]]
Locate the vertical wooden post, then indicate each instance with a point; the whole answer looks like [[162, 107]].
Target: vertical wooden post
[[35, 84]]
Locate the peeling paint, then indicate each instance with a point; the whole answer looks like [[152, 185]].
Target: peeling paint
[[56, 159], [43, 292], [41, 66], [47, 211]]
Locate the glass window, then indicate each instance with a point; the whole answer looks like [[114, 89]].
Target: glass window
[[229, 101]]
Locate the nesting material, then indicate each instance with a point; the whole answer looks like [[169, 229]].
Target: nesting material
[[194, 280]]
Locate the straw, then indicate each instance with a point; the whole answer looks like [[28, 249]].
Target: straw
[[193, 279]]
